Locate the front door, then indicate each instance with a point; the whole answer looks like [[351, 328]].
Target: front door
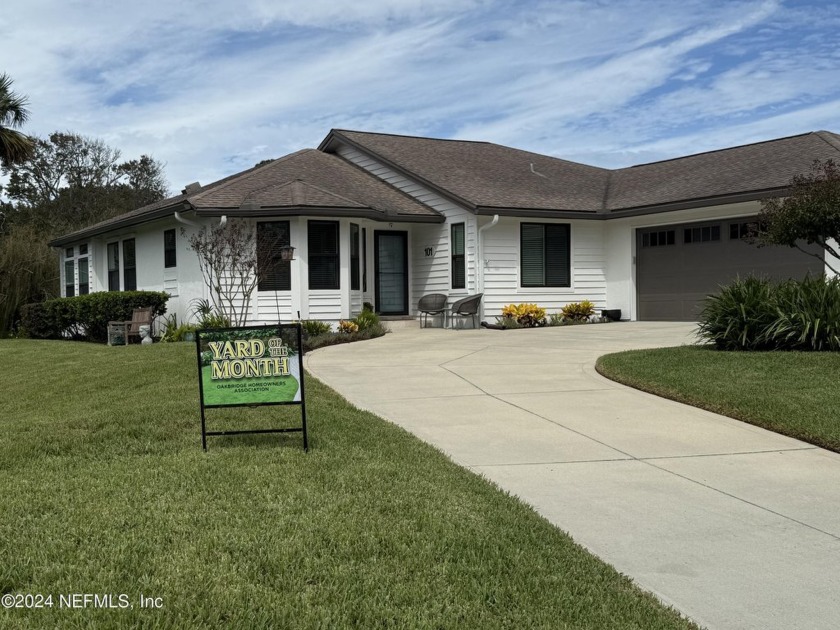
[[391, 272]]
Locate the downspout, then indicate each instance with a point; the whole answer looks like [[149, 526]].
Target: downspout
[[479, 276]]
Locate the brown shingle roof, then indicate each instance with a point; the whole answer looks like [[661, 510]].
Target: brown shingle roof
[[758, 167], [305, 180], [311, 179], [483, 174]]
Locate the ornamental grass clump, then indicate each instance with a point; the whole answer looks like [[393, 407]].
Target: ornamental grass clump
[[756, 314], [525, 315]]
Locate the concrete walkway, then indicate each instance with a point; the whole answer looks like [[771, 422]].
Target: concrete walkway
[[735, 526]]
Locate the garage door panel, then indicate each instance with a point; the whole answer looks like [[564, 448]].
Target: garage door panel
[[674, 279]]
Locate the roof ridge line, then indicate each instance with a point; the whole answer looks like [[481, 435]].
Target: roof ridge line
[[232, 178], [737, 146], [831, 139]]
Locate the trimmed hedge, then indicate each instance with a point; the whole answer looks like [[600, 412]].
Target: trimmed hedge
[[86, 316], [756, 314]]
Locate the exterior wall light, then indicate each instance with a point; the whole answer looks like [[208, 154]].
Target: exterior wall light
[[287, 253]]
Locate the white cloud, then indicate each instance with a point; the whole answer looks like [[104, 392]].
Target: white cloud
[[212, 87]]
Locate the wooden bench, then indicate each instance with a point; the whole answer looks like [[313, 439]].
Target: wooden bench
[[126, 330]]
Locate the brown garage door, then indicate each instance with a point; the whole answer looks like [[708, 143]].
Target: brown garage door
[[677, 266]]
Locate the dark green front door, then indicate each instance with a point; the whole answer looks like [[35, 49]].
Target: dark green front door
[[391, 272]]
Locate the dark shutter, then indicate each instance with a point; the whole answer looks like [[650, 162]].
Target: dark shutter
[[129, 266], [323, 255], [275, 274], [459, 272], [557, 260], [169, 242], [113, 266], [532, 254], [355, 274]]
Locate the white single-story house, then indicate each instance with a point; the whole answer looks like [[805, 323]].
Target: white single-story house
[[387, 219]]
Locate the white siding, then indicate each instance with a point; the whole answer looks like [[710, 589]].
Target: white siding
[[502, 277], [325, 305], [274, 306], [427, 274]]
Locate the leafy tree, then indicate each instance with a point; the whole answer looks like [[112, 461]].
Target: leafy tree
[[14, 146], [810, 212], [228, 256], [70, 181]]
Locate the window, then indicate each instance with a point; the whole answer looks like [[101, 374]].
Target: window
[[69, 278], [83, 249], [323, 255], [355, 271], [459, 276], [68, 253], [84, 276], [739, 231], [275, 274], [364, 259], [659, 239], [113, 266], [129, 266], [545, 255], [169, 257], [705, 234]]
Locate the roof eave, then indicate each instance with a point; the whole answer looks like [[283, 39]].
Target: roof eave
[[154, 215], [700, 202], [538, 213], [319, 211]]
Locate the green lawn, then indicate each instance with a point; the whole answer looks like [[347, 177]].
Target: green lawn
[[794, 393], [106, 490]]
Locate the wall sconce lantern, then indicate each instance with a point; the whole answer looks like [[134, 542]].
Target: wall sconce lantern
[[287, 253]]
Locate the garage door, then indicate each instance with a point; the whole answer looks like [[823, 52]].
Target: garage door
[[677, 266]]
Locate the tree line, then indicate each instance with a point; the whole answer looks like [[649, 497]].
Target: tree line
[[53, 186]]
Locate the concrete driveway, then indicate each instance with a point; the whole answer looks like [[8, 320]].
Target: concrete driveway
[[734, 526]]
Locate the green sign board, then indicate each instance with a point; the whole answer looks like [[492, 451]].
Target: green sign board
[[250, 366]]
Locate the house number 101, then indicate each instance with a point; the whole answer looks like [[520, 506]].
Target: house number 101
[[430, 251]]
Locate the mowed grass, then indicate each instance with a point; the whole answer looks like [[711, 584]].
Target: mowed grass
[[106, 490], [793, 393]]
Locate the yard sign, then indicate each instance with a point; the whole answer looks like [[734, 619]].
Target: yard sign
[[250, 366]]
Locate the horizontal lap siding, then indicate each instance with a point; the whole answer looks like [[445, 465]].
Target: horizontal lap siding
[[325, 305], [502, 277], [273, 307], [427, 274]]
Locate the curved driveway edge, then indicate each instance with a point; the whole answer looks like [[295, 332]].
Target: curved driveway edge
[[733, 525]]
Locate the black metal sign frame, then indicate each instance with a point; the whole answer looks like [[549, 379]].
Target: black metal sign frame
[[279, 328]]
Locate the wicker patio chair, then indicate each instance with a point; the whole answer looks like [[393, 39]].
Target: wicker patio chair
[[467, 307], [432, 304]]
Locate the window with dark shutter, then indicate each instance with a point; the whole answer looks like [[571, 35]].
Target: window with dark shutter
[[84, 276], [113, 266], [275, 274], [545, 255], [459, 272], [355, 271], [69, 279], [169, 256], [129, 266], [323, 255]]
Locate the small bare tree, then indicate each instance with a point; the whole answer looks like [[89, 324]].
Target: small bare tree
[[228, 256]]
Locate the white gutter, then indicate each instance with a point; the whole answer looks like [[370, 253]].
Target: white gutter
[[180, 219]]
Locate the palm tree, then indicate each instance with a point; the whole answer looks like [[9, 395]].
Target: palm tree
[[15, 147]]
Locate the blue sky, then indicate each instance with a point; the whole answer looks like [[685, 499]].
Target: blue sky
[[210, 88]]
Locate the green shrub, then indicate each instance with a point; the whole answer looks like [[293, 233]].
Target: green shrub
[[366, 319], [807, 315], [86, 316], [756, 314], [207, 315], [313, 327], [526, 315], [578, 311]]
